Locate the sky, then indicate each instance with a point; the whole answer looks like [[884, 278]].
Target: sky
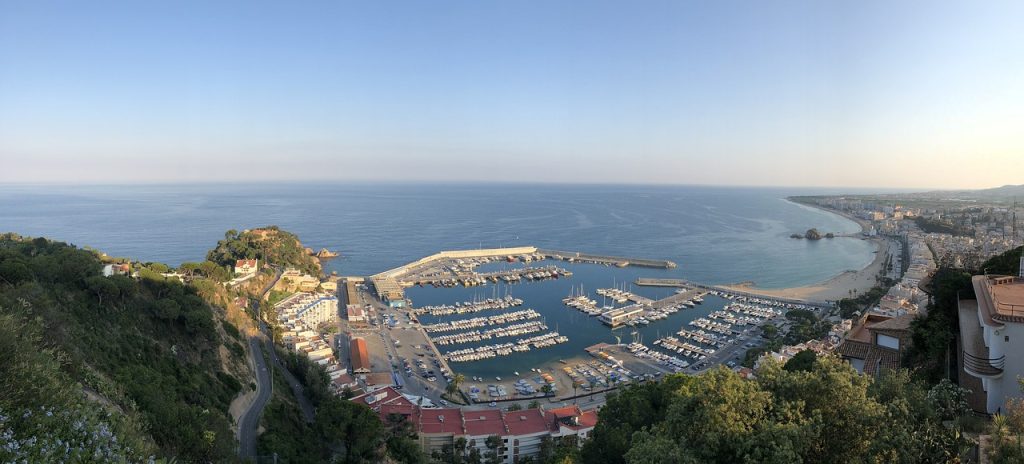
[[783, 93]]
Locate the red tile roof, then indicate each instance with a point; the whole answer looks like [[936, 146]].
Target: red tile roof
[[571, 417], [484, 422], [525, 422], [441, 421], [410, 411], [378, 398], [360, 357]]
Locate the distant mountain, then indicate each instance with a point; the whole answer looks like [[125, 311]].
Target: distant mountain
[[1004, 194], [1006, 190]]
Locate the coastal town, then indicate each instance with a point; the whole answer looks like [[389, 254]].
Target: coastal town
[[372, 342]]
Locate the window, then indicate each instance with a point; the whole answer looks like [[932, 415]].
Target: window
[[887, 341]]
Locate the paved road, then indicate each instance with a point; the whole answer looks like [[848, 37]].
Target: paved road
[[300, 394], [250, 420]]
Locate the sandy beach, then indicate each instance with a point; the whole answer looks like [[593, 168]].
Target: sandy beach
[[837, 287]]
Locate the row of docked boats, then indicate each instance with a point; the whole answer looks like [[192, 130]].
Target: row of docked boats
[[686, 349], [505, 349], [706, 338], [641, 351], [470, 306], [584, 304], [528, 273], [617, 295], [709, 325], [763, 301], [504, 318], [499, 332]]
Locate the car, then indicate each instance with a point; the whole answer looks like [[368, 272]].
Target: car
[[443, 403], [492, 404]]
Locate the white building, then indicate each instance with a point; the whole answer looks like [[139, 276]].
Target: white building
[[619, 316], [246, 266], [992, 340], [311, 308]]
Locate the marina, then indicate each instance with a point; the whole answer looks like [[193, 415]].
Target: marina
[[691, 326], [503, 318], [501, 332], [478, 334], [470, 307], [505, 349]]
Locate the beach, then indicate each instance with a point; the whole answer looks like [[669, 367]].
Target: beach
[[836, 288], [845, 285]]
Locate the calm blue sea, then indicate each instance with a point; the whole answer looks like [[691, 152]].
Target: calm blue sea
[[716, 235]]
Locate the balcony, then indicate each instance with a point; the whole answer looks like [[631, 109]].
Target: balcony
[[1009, 310], [984, 367]]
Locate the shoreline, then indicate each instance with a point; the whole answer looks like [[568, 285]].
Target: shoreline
[[836, 287]]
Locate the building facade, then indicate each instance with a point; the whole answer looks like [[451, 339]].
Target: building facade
[[992, 340], [519, 434]]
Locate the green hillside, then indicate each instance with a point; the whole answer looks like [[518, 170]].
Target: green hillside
[[111, 368], [268, 244]]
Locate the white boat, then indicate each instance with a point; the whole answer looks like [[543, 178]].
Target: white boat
[[516, 373]]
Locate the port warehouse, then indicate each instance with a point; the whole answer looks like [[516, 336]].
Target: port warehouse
[[360, 356], [619, 316], [351, 292], [389, 287]]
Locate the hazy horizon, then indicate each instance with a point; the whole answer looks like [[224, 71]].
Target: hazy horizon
[[871, 95]]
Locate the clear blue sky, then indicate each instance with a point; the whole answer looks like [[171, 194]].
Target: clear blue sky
[[822, 93]]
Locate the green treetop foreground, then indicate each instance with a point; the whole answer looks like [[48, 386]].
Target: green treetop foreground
[[820, 411]]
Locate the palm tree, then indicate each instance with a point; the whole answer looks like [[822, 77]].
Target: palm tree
[[453, 386]]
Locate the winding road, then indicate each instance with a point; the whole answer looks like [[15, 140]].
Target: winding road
[[249, 423]]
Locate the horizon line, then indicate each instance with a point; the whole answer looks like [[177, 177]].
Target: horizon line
[[423, 182]]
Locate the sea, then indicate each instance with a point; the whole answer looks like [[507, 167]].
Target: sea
[[716, 235]]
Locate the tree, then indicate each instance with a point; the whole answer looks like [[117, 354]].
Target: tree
[[166, 309], [102, 288], [12, 272], [949, 400], [824, 412], [802, 361], [401, 445], [493, 444], [453, 387], [350, 427]]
